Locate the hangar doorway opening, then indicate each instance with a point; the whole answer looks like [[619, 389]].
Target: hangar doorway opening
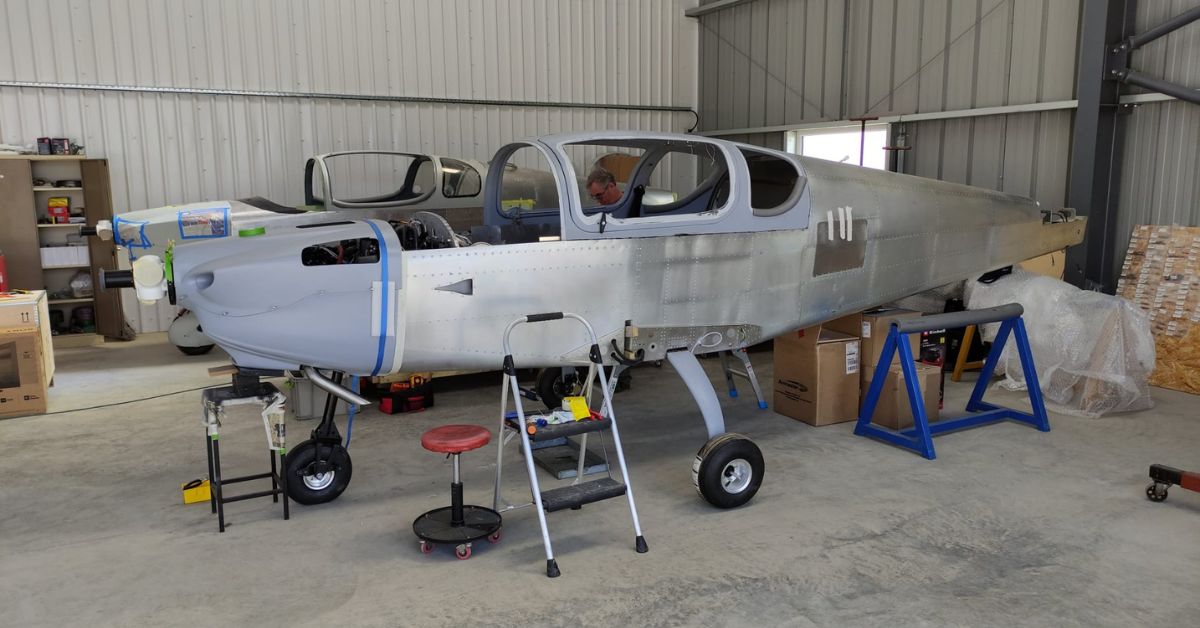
[[842, 144]]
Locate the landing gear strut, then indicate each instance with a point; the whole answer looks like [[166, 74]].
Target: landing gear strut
[[319, 469], [729, 468]]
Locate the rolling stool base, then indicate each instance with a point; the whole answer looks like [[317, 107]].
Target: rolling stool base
[[435, 526]]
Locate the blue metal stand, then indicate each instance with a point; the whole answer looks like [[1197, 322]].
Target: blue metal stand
[[919, 438]]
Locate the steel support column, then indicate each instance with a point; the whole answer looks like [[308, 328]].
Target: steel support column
[[1096, 144]]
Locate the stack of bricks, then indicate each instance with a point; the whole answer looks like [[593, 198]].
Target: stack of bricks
[[1161, 275]]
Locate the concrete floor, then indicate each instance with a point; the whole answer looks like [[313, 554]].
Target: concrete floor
[[1008, 527]]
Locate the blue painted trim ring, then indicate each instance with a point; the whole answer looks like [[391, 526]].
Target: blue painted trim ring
[[383, 301]]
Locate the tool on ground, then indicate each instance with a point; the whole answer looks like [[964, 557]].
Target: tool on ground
[[1165, 477]]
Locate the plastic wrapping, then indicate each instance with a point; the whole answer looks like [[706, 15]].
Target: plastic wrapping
[[1094, 352]]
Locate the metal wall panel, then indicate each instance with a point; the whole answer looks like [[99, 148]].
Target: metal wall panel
[[896, 57], [1022, 153], [175, 148], [1160, 174]]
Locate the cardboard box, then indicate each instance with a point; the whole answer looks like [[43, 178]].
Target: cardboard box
[[1052, 264], [817, 376], [26, 353], [872, 327], [933, 352], [893, 410], [23, 377]]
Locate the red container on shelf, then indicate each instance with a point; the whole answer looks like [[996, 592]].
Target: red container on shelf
[[3, 273]]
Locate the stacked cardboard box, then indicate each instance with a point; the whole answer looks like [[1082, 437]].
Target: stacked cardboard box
[[817, 376], [26, 353], [893, 409], [1161, 274]]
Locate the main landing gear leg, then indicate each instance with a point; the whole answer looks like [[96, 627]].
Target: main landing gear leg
[[729, 468], [319, 469]]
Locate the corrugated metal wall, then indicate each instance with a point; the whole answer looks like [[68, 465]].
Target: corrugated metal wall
[[785, 62], [773, 62], [1021, 153], [174, 148], [805, 61], [1160, 174]]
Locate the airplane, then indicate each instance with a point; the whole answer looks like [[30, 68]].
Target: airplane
[[750, 243], [450, 186]]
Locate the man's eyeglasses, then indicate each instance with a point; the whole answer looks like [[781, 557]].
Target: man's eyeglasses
[[596, 196]]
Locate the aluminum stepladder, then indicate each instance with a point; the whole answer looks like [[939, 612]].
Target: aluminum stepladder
[[578, 493], [747, 375]]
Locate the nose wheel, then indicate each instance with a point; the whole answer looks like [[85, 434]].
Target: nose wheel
[[317, 473]]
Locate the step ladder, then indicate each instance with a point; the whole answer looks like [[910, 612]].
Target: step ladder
[[579, 493]]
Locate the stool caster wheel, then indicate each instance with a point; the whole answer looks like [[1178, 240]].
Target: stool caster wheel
[[463, 552], [494, 537], [426, 547], [1157, 492]]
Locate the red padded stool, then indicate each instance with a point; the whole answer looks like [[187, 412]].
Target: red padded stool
[[456, 524]]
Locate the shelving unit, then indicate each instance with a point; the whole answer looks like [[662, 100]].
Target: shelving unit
[[75, 320]]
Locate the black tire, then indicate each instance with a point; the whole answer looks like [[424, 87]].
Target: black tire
[[308, 488], [1155, 493], [551, 387], [720, 467], [201, 350]]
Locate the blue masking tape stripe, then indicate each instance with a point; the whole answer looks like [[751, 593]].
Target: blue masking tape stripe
[[383, 301]]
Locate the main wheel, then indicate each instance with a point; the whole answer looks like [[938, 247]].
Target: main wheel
[[313, 479], [728, 470], [552, 386]]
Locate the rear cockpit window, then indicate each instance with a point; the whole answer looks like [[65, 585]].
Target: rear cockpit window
[[775, 184], [356, 251]]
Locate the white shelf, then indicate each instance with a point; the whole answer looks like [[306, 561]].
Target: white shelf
[[66, 301], [72, 224], [51, 188], [67, 266], [45, 157]]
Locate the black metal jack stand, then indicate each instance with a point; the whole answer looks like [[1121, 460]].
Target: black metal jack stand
[[272, 402]]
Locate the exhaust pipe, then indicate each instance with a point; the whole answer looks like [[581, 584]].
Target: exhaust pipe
[[328, 386]]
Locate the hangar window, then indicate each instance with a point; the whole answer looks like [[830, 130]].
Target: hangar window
[[459, 180], [356, 251], [775, 184]]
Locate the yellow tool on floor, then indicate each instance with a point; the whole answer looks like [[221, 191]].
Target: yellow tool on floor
[[196, 491]]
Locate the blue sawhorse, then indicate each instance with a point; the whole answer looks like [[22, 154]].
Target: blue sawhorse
[[919, 437]]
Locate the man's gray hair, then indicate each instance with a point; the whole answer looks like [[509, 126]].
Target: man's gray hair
[[601, 176]]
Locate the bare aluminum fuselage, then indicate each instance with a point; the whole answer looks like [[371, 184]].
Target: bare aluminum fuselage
[[446, 309]]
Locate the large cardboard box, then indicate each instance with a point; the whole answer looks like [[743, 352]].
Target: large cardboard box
[[817, 376], [893, 409], [26, 353], [872, 327], [23, 380]]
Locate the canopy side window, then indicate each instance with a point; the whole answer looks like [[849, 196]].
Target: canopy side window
[[643, 180], [521, 202], [368, 179], [775, 183], [460, 180]]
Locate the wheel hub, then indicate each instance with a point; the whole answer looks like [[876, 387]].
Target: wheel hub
[[736, 476], [319, 480]]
